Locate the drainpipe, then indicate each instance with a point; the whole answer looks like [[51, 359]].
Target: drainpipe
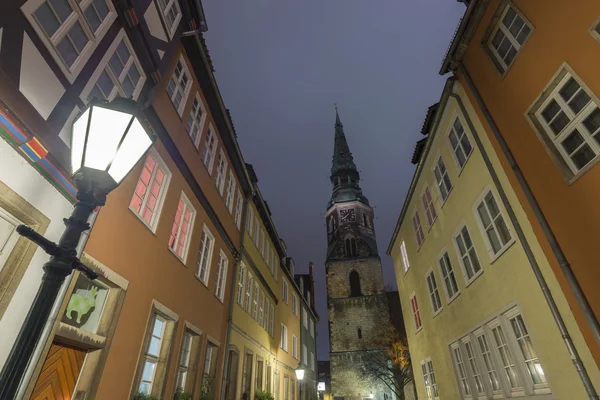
[[564, 264], [583, 375], [225, 375]]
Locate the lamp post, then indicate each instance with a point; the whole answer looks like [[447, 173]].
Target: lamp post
[[107, 141], [300, 377]]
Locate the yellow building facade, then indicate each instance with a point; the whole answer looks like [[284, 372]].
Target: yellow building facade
[[264, 338], [477, 321]]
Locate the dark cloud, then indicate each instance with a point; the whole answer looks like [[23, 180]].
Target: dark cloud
[[282, 64]]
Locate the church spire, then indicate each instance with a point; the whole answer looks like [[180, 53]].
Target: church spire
[[344, 175]]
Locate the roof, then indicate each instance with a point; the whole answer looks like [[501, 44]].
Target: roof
[[418, 151], [342, 157], [252, 173], [429, 118], [420, 166]]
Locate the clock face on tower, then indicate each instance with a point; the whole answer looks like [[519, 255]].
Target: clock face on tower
[[347, 215]]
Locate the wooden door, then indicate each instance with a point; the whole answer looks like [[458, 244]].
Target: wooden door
[[59, 373]]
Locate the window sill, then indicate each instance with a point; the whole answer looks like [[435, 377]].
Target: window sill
[[201, 281], [431, 225], [447, 197], [150, 228], [495, 257], [419, 329], [182, 260], [469, 281], [218, 298], [461, 169], [451, 299], [435, 313], [575, 176]]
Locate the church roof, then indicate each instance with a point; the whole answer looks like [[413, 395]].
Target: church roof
[[342, 157]]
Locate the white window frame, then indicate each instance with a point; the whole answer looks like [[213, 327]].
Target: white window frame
[[188, 204], [257, 229], [498, 60], [460, 145], [76, 16], [458, 233], [284, 291], [204, 278], [210, 133], [222, 165], [250, 221], [404, 256], [415, 313], [429, 380], [294, 346], [283, 342], [418, 228], [195, 121], [553, 142], [447, 263], [261, 308], [183, 367], [493, 254], [312, 328], [429, 207], [161, 196], [441, 182], [153, 358], [237, 217], [186, 90], [169, 3], [304, 355], [272, 320], [221, 276], [312, 361], [103, 65], [304, 318], [434, 293], [595, 29], [267, 314], [255, 300], [460, 367], [230, 191], [241, 285], [295, 304], [249, 287]]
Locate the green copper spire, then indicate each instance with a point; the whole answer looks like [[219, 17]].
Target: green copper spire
[[344, 175]]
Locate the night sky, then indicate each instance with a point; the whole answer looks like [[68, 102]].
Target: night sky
[[282, 64]]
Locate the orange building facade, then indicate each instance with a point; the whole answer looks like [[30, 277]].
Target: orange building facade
[[530, 70]]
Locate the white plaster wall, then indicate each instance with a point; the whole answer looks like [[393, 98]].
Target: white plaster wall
[[21, 177], [154, 23]]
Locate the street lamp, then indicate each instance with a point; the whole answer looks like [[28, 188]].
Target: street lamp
[[107, 141], [371, 395], [300, 377]]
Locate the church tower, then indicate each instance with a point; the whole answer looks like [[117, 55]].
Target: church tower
[[356, 300]]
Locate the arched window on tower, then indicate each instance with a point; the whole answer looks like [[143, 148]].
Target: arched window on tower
[[365, 220], [359, 331], [355, 284], [350, 247]]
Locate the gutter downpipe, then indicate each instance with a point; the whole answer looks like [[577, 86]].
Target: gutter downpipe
[[564, 264], [577, 362], [225, 375]]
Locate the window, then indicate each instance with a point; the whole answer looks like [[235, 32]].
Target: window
[[207, 242], [312, 328], [230, 192], [416, 221], [415, 311], [294, 347], [434, 295], [179, 85], [304, 318], [460, 143], [448, 276], [350, 248], [210, 367], [249, 285], [196, 120], [261, 308], [70, 30], [249, 221], [272, 319], [312, 360], [150, 191], [468, 256], [513, 356], [181, 232], [354, 284], [240, 287], [569, 121], [286, 387], [443, 180], [247, 373], [221, 276], [259, 373], [429, 207], [119, 73], [209, 150], [462, 373], [295, 304], [221, 171], [284, 290], [262, 243], [267, 316], [304, 355], [268, 379], [184, 360], [359, 333], [255, 302], [276, 386], [239, 204], [404, 256], [156, 352], [283, 342], [507, 37], [171, 14], [496, 231], [595, 30], [429, 380]]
